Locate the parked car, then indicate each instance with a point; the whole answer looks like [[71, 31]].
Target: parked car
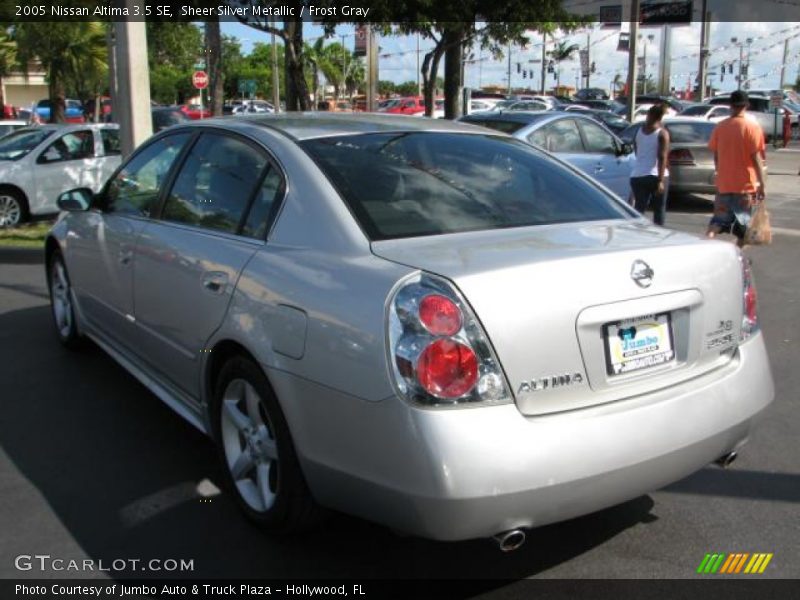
[[426, 324], [167, 116], [11, 125], [39, 163], [675, 104], [413, 105], [608, 105], [691, 163], [254, 106], [579, 140], [195, 111], [760, 110], [528, 105], [73, 111], [612, 121], [9, 112], [591, 94], [710, 112]]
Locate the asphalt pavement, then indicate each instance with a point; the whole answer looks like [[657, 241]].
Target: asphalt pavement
[[93, 466]]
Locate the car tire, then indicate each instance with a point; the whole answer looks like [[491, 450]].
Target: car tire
[[61, 302], [256, 451], [13, 208]]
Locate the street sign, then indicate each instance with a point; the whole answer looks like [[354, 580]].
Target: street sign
[[610, 16], [660, 12], [200, 80], [247, 87], [776, 100]]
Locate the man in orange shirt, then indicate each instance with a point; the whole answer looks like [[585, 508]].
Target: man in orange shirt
[[737, 144]]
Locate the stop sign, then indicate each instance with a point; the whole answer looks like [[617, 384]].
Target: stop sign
[[200, 80]]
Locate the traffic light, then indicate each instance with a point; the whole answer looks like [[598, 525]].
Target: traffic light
[[530, 73], [592, 69], [730, 68], [518, 67], [524, 74], [744, 69]]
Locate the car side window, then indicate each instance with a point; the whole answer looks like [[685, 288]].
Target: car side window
[[215, 183], [598, 140], [262, 208], [75, 145], [562, 136], [134, 189], [111, 146]]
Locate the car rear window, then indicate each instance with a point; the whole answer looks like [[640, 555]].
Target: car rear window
[[690, 133], [427, 183]]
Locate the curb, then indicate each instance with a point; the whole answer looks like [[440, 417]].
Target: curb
[[22, 256]]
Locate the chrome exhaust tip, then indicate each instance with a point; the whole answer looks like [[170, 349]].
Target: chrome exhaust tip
[[725, 460], [511, 540]]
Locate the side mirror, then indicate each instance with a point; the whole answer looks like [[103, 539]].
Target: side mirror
[[76, 200], [626, 149]]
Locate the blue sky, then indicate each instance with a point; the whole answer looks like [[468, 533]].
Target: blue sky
[[399, 59]]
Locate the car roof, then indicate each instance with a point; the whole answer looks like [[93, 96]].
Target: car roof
[[310, 125], [516, 116], [72, 126]]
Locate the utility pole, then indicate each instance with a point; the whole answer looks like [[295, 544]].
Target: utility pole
[[783, 63], [372, 69], [132, 102], [704, 37], [634, 35], [544, 59], [665, 74], [509, 69], [276, 93], [419, 82], [588, 59]]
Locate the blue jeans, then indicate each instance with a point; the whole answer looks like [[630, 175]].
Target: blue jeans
[[645, 193]]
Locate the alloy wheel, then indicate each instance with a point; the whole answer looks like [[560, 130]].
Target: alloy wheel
[[10, 211]]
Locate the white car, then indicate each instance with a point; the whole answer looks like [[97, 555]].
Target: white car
[[640, 114], [37, 164], [9, 125], [254, 106], [706, 112]]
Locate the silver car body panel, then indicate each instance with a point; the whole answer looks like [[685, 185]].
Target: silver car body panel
[[310, 306]]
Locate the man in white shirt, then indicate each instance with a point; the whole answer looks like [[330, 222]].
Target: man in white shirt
[[649, 172]]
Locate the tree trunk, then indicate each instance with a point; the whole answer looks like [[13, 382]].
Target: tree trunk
[[430, 70], [2, 100], [453, 82], [214, 46], [297, 96], [58, 101]]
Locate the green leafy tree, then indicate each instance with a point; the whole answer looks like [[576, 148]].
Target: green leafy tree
[[452, 26], [70, 53], [407, 88], [173, 49], [8, 60], [386, 88]]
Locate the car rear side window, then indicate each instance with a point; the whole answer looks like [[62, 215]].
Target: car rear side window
[[415, 184], [263, 206], [215, 184], [690, 133], [598, 139], [134, 189]]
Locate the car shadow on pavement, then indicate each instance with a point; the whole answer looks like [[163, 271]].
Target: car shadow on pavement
[[690, 203], [120, 473], [758, 485]]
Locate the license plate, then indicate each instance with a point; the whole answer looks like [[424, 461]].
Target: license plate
[[639, 343]]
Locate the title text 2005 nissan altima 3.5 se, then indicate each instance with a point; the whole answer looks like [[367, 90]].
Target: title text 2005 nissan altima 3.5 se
[[427, 324]]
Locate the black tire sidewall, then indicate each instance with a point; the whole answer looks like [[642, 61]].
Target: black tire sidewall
[[290, 483]]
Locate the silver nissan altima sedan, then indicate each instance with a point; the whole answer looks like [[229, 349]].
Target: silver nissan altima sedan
[[422, 323]]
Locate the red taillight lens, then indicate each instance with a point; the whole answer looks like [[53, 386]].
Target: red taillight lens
[[681, 157], [750, 301], [440, 315], [447, 369]]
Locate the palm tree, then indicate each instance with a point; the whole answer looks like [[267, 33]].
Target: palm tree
[[8, 60], [562, 51], [72, 53]]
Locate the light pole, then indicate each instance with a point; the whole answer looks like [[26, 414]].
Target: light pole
[[650, 37]]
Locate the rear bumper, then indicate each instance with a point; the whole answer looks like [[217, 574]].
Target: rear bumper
[[468, 473]]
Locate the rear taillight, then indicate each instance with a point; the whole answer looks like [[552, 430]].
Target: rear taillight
[[749, 301], [439, 353], [681, 157]]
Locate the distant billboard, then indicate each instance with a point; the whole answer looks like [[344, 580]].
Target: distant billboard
[[610, 16], [661, 12], [361, 40]]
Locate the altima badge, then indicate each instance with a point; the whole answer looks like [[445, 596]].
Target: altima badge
[[539, 384], [642, 274]]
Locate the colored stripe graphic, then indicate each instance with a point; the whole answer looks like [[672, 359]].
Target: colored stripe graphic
[[722, 563]]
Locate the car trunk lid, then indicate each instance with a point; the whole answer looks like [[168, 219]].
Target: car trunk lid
[[550, 297]]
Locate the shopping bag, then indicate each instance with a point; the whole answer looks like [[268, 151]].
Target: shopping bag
[[759, 232]]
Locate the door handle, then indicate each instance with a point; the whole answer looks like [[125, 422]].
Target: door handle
[[215, 281], [599, 169]]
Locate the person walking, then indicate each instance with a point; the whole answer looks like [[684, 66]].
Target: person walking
[[738, 145], [649, 172]]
